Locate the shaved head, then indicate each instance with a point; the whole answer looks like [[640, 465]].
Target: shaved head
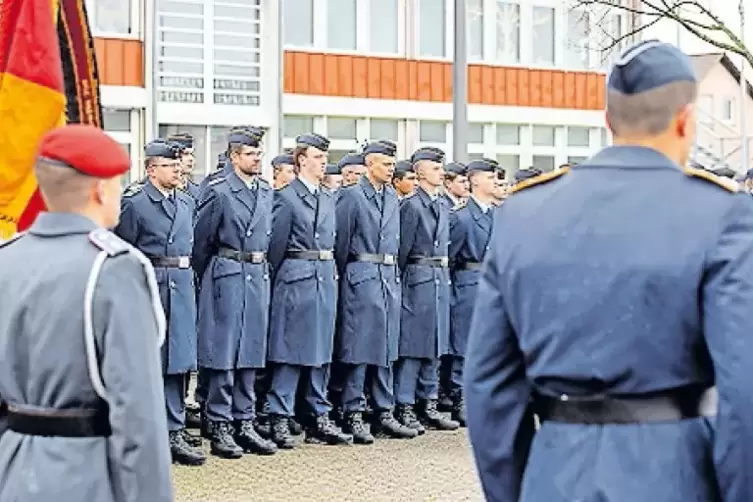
[[63, 188], [648, 113]]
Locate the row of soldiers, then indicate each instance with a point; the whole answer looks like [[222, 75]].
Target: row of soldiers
[[331, 290]]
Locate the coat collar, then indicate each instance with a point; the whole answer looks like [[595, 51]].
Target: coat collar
[[55, 224], [153, 192], [630, 157]]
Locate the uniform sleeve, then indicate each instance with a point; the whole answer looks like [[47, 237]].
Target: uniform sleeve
[[457, 235], [408, 227], [728, 329], [208, 219], [132, 375], [345, 211], [282, 222], [500, 422], [128, 224]]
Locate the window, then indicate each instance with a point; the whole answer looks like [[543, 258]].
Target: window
[[543, 163], [334, 156], [578, 136], [295, 125], [341, 128], [110, 16], [509, 163], [199, 134], [181, 53], [116, 120], [576, 160], [604, 137], [384, 129], [543, 35], [476, 133], [612, 39], [433, 132], [341, 24], [383, 26], [576, 53], [508, 32], [432, 28], [508, 135], [475, 28], [728, 107], [475, 156], [543, 136]]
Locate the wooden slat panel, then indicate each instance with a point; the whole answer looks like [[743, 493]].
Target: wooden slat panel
[[288, 70], [120, 62], [331, 77], [387, 78], [558, 89], [301, 79], [423, 93], [437, 81], [373, 78], [345, 77]]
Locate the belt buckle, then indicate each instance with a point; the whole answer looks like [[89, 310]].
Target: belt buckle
[[444, 261], [389, 259], [257, 257], [184, 262], [323, 254]]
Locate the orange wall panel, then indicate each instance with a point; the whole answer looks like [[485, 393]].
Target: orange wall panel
[[418, 80], [120, 62]]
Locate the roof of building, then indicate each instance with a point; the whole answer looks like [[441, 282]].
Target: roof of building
[[703, 63]]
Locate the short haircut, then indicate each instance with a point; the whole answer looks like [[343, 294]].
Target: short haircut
[[648, 113], [298, 151], [235, 148], [450, 177], [63, 188]]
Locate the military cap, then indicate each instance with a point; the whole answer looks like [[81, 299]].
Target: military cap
[[457, 168], [184, 139], [387, 148], [485, 165], [428, 153], [332, 169], [524, 174], [162, 148], [749, 174], [249, 136], [86, 149], [285, 158], [402, 167], [351, 159], [648, 65], [313, 139], [221, 159]]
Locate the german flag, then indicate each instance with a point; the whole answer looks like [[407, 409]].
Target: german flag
[[48, 76]]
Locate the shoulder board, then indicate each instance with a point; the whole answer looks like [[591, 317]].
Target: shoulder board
[[213, 182], [108, 242], [460, 205], [12, 239], [133, 189], [538, 180], [726, 183], [264, 183]]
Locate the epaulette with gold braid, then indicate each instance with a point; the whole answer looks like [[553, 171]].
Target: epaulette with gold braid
[[541, 178], [726, 183]]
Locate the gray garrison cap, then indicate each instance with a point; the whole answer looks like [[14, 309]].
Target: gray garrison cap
[[648, 65]]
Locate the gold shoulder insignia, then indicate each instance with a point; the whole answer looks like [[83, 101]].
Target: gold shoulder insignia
[[726, 183], [460, 205], [541, 178]]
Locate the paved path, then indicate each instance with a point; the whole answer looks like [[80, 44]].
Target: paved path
[[436, 467]]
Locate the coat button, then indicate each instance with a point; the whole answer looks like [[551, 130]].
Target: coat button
[[316, 235], [248, 233], [319, 278], [172, 284], [170, 240], [436, 244], [248, 278], [269, 232]]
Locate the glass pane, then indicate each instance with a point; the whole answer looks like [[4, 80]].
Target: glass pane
[[334, 156], [239, 56], [508, 135], [341, 128], [236, 99], [341, 21], [383, 26], [181, 97], [432, 131], [475, 13], [167, 51], [181, 67], [112, 16], [296, 125], [543, 136], [236, 42], [237, 85], [576, 45], [178, 7], [578, 136], [299, 22], [181, 37], [383, 129], [604, 137], [432, 28], [544, 163], [576, 160], [236, 12], [475, 156], [116, 120], [182, 82], [236, 71], [508, 32], [543, 35], [509, 163], [199, 134], [226, 26], [184, 23], [476, 133]]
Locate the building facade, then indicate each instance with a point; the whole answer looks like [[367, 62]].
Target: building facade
[[355, 70]]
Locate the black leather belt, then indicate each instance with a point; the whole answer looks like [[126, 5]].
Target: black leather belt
[[76, 423], [314, 255], [171, 261], [379, 259], [255, 257], [469, 265], [429, 261], [667, 406]]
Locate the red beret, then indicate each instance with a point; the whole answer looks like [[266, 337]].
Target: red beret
[[86, 149]]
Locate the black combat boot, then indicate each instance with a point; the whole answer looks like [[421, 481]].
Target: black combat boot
[[407, 416], [263, 422], [223, 444], [206, 424], [458, 408], [326, 432], [445, 401], [193, 416], [354, 425], [428, 413], [182, 453], [192, 440], [295, 427], [281, 432], [247, 438], [386, 425]]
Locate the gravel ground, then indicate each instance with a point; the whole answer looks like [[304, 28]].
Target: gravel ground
[[436, 467]]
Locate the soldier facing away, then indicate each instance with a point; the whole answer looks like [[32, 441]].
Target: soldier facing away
[[617, 314], [80, 329]]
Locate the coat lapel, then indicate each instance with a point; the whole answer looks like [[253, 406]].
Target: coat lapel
[[241, 192], [391, 204], [304, 193], [159, 198], [263, 193], [479, 217]]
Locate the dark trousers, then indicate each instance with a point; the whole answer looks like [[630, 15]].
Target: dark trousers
[[455, 379], [416, 378], [284, 386], [175, 401], [200, 394], [230, 395], [361, 377]]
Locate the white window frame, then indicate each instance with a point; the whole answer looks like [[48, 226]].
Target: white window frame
[[136, 21]]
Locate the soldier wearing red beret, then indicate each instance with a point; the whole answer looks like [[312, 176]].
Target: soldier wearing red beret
[[80, 329]]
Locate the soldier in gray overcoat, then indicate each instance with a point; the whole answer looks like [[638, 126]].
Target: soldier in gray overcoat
[[80, 329]]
